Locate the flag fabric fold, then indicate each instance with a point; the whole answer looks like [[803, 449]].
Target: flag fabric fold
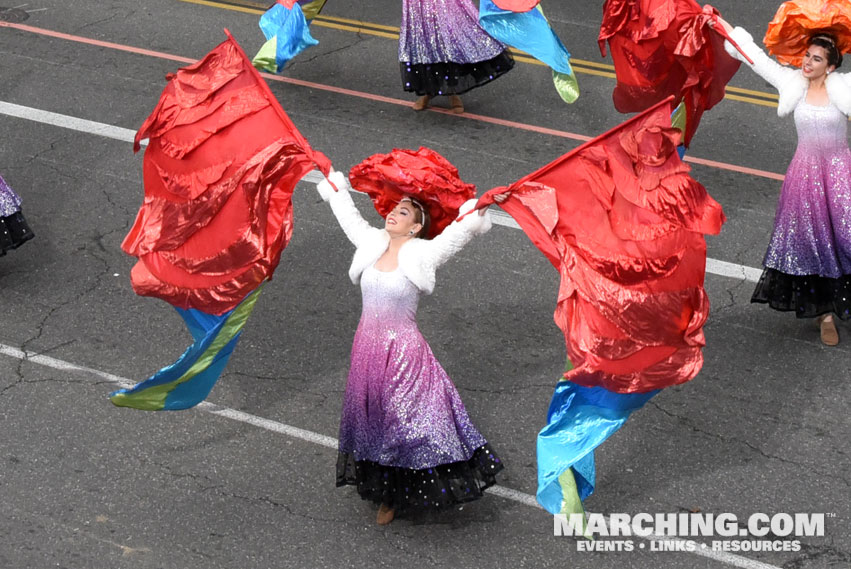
[[287, 30], [578, 421], [522, 25], [623, 223], [219, 171], [190, 379], [662, 48]]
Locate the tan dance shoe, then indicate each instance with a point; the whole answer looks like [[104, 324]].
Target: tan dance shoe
[[829, 333], [385, 515], [456, 104], [421, 103]]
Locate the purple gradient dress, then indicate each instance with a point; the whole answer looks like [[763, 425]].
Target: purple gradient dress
[[808, 262], [14, 230], [444, 51], [405, 438]]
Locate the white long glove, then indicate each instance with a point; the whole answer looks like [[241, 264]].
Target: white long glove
[[338, 179]]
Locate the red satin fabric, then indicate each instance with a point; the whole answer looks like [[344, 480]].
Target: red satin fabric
[[220, 167], [795, 22], [662, 48], [623, 222], [516, 5], [424, 174]]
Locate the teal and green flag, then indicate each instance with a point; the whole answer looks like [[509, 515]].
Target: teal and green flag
[[287, 30], [530, 31]]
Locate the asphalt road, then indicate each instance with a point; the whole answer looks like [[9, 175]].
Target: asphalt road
[[763, 428]]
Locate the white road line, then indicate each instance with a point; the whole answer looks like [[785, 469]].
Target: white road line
[[713, 266], [330, 442], [65, 121]]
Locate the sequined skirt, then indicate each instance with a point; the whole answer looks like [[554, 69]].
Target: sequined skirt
[[453, 78], [421, 489], [807, 296], [812, 227], [14, 232]]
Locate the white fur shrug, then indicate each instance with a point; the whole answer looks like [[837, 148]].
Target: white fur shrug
[[789, 81], [418, 258]]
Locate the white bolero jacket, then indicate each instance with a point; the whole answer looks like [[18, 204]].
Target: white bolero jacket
[[789, 81], [418, 258]]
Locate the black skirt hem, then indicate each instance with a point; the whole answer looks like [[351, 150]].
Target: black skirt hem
[[429, 489], [14, 232], [448, 78], [808, 296]]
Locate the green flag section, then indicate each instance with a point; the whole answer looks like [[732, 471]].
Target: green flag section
[[188, 381]]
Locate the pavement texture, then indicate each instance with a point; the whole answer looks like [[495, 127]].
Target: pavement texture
[[763, 428]]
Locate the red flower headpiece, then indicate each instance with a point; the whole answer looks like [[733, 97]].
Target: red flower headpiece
[[424, 175]]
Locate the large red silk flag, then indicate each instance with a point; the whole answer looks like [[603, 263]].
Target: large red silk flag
[[662, 48], [219, 170], [624, 224]]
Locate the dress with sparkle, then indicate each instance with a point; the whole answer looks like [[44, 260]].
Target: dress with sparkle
[[808, 262], [405, 438], [444, 51], [14, 230]]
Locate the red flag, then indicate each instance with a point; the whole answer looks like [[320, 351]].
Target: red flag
[[662, 48], [220, 167], [623, 222]]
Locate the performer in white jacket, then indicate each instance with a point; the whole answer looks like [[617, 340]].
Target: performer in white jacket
[[406, 440], [808, 262]]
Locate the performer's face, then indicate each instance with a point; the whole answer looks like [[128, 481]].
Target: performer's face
[[815, 62], [403, 220]]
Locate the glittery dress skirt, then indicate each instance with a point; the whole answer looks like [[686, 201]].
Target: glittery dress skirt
[[808, 262], [405, 437], [14, 230], [444, 51]]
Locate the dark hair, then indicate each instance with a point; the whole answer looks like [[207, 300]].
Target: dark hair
[[421, 215], [828, 42]]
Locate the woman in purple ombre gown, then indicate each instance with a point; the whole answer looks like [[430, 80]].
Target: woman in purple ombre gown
[[444, 51], [808, 262], [406, 440], [14, 230]]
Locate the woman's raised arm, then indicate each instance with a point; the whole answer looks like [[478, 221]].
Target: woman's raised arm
[[354, 225]]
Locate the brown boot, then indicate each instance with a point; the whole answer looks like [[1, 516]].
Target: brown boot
[[456, 104], [829, 333], [385, 515], [421, 103]]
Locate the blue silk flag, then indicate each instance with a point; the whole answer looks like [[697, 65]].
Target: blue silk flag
[[578, 421]]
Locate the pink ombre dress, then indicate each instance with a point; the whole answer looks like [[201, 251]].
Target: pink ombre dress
[[405, 438], [808, 262]]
